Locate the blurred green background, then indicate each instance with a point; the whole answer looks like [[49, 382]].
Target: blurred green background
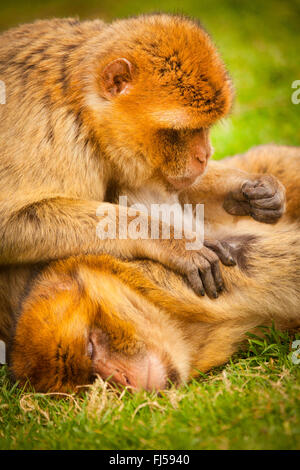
[[259, 41]]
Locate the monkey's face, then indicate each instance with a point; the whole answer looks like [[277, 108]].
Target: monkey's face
[[160, 97], [183, 155], [64, 339]]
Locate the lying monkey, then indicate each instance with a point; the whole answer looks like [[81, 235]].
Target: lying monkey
[[139, 323]]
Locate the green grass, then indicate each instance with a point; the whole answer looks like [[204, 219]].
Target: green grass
[[251, 403], [254, 401]]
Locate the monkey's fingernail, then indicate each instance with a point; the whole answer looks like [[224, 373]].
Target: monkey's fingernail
[[232, 261], [215, 295], [199, 291]]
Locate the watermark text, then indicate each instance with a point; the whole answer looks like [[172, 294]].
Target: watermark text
[[296, 94], [161, 221], [2, 92]]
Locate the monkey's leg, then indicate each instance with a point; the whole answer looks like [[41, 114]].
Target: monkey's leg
[[283, 162]]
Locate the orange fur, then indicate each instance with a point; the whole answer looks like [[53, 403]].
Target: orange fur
[[67, 146], [143, 307], [70, 146]]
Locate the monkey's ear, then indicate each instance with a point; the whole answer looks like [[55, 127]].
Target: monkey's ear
[[117, 78]]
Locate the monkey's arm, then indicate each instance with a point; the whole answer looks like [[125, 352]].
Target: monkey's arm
[[281, 161], [224, 189], [50, 227], [55, 227]]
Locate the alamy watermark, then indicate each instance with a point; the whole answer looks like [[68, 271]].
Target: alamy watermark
[[137, 222], [2, 92], [2, 352], [295, 357], [296, 94]]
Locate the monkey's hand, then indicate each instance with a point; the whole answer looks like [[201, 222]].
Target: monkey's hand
[[263, 198], [201, 268]]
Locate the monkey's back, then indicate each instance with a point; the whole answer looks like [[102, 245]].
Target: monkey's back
[[40, 64]]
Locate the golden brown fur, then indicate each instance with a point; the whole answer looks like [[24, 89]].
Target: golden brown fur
[[95, 110], [143, 308], [63, 144]]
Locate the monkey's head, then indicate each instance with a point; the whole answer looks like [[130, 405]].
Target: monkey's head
[[68, 334], [154, 95]]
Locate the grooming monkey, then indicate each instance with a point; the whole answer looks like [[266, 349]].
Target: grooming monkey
[[97, 110], [139, 324]]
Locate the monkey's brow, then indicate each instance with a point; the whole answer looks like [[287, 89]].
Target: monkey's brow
[[174, 119]]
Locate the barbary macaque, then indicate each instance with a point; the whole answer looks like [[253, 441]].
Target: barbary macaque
[[96, 110], [139, 324]]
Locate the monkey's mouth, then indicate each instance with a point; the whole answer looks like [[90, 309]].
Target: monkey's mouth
[[146, 370], [146, 374]]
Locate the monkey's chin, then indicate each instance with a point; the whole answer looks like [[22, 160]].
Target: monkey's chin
[[179, 183]]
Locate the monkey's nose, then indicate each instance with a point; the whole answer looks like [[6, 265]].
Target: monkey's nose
[[156, 374], [202, 156]]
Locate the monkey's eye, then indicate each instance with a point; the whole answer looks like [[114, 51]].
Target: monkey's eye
[[90, 349]]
